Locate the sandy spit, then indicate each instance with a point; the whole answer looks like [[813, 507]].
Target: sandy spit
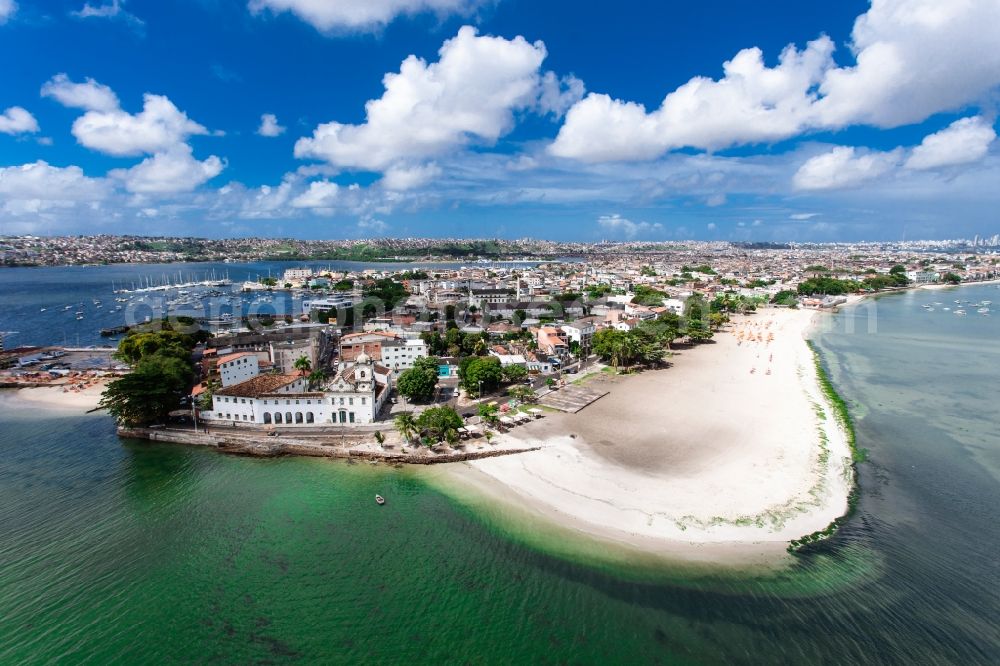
[[732, 450]]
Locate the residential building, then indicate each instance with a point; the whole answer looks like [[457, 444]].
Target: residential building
[[297, 274], [285, 354], [237, 368]]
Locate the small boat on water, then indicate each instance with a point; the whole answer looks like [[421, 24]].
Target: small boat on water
[[379, 500], [960, 313]]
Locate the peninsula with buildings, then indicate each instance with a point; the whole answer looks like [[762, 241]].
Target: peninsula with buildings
[[661, 397]]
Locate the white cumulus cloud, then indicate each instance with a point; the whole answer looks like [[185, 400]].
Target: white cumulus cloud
[[17, 120], [89, 95], [966, 140], [618, 225], [169, 172], [408, 178], [158, 127], [912, 59], [321, 194], [843, 166], [751, 103], [352, 15], [269, 126], [469, 94], [32, 189]]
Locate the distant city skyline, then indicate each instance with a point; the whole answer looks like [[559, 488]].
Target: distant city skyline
[[573, 121]]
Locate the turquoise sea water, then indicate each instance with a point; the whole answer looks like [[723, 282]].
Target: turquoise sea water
[[129, 552]]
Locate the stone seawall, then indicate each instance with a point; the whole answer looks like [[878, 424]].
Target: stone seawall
[[267, 447]]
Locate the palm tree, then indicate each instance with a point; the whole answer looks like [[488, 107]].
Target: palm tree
[[488, 435], [316, 377], [303, 365], [406, 425], [380, 438]]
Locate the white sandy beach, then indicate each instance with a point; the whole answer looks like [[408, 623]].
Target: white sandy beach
[[714, 450], [63, 397]]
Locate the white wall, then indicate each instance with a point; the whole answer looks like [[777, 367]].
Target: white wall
[[239, 370]]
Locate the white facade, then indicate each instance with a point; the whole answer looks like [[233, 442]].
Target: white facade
[[237, 368], [400, 357], [579, 331], [327, 303], [354, 397], [297, 274], [674, 305]]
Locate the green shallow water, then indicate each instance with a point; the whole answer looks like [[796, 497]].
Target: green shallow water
[[138, 553]]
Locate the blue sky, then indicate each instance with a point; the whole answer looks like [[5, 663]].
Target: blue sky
[[476, 118]]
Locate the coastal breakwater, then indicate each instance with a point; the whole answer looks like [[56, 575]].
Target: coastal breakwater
[[283, 446]]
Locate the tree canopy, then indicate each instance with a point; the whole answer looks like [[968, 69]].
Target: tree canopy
[[161, 375], [419, 382], [148, 393], [439, 423], [475, 369]]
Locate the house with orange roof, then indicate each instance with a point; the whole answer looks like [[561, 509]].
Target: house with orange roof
[[238, 367]]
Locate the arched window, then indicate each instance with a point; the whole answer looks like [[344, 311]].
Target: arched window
[[277, 417], [267, 417], [310, 418], [298, 417], [288, 417]]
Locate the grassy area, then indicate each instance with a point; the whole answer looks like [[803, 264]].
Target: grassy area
[[843, 415], [840, 408]]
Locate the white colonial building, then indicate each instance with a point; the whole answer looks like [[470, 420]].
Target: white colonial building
[[354, 397], [237, 368]]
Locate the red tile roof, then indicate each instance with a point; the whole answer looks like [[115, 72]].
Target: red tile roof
[[231, 357], [259, 385]]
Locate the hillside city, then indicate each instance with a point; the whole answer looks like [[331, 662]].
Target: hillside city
[[111, 249], [354, 347]]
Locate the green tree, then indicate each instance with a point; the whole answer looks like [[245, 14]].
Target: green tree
[[148, 393], [205, 399], [316, 378], [523, 393], [648, 296], [785, 297], [489, 413], [474, 371], [513, 373], [140, 344], [437, 422], [716, 320], [406, 425], [303, 365], [418, 383], [826, 286]]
